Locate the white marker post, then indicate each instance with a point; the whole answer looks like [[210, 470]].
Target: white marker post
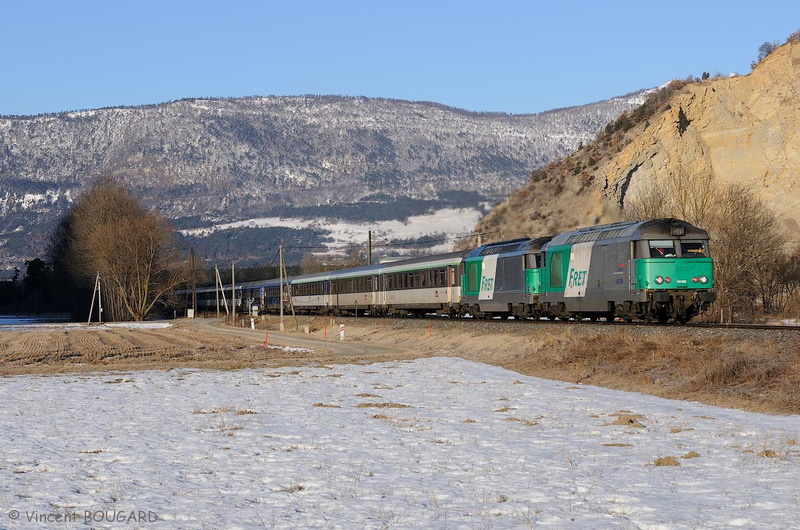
[[341, 331]]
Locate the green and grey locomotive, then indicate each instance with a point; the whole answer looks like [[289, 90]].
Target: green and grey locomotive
[[656, 270]]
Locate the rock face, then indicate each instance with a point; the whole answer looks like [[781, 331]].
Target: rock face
[[210, 160], [742, 129]]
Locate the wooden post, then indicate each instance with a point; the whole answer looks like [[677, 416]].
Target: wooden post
[[94, 293], [221, 288], [99, 300]]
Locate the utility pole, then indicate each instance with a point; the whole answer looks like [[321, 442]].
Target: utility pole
[[216, 287], [369, 246], [96, 293], [221, 288], [233, 293], [280, 266], [289, 296], [99, 300], [194, 284]]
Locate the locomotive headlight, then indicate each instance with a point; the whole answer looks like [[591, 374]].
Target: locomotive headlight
[[659, 280], [703, 279]]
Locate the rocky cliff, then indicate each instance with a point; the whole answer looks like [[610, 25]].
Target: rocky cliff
[[743, 129]]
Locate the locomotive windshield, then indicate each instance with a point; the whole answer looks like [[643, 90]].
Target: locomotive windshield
[[666, 248], [662, 248], [693, 249]]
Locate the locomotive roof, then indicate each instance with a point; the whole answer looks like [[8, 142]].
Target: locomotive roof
[[631, 231], [523, 245]]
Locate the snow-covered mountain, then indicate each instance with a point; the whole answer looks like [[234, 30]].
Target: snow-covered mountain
[[208, 161]]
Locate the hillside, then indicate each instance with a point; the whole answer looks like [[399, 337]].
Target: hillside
[[740, 129], [208, 161]]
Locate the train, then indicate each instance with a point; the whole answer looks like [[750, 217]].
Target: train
[[657, 270]]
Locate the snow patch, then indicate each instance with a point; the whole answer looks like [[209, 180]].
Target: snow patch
[[456, 223], [22, 324], [431, 443]]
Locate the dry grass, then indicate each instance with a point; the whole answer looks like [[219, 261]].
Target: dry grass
[[326, 406], [527, 423], [666, 461], [628, 420], [757, 371], [382, 406]]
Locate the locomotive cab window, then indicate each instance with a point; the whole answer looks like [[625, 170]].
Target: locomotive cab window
[[533, 261], [662, 248], [694, 249]]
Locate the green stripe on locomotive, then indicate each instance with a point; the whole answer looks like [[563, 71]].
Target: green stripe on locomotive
[[676, 273]]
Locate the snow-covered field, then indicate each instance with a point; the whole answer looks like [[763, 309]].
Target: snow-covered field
[[32, 324], [455, 223], [433, 443]]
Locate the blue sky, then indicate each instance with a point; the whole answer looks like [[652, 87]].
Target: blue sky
[[507, 56]]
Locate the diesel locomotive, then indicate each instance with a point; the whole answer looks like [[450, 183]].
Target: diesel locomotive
[[657, 270]]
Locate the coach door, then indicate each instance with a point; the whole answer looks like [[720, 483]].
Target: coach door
[[451, 281]]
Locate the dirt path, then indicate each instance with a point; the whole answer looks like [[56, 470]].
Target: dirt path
[[330, 347]]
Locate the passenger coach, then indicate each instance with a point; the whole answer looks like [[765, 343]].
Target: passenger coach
[[423, 285]]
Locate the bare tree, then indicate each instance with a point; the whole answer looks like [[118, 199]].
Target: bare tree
[[692, 198], [747, 243], [110, 232]]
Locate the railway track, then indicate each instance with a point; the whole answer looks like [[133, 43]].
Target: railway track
[[743, 326], [586, 322]]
